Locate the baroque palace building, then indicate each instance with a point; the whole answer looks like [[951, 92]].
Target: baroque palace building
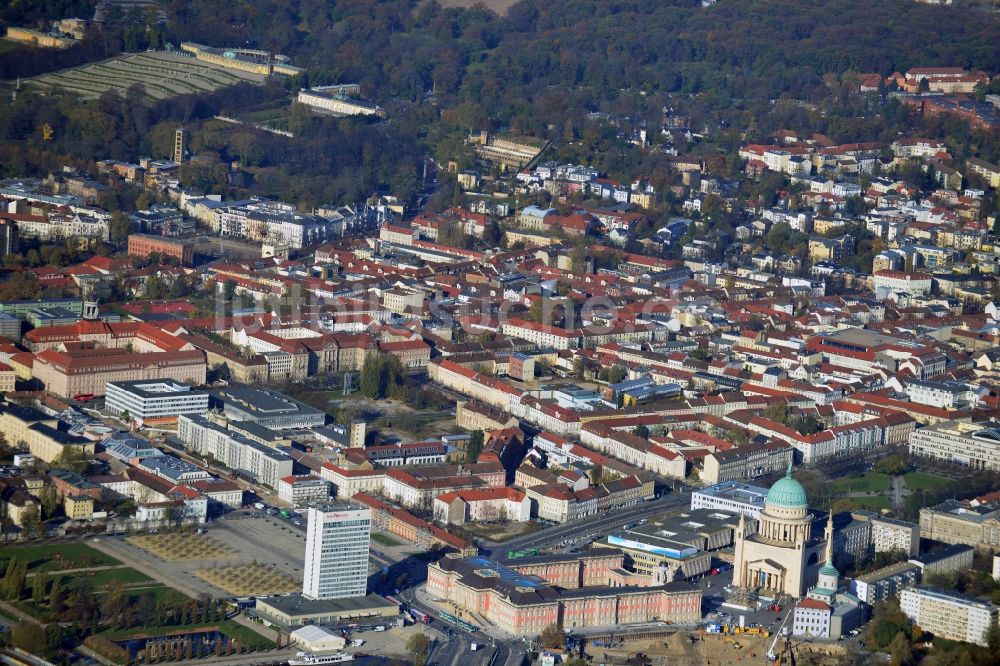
[[782, 556], [591, 589]]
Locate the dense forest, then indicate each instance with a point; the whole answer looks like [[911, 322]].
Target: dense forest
[[540, 70]]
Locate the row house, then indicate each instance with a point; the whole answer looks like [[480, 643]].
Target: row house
[[400, 522], [417, 488], [486, 389]]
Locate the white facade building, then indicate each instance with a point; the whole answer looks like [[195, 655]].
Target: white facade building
[[155, 399], [975, 445], [731, 496], [812, 618], [333, 100], [302, 489], [337, 542], [271, 221], [914, 284], [237, 452], [949, 615], [889, 534]]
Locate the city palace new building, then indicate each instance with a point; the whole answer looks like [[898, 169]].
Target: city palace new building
[[524, 596]]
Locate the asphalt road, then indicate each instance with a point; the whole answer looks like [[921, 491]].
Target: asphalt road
[[453, 645]]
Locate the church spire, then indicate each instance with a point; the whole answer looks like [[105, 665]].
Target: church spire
[[788, 473], [829, 539]]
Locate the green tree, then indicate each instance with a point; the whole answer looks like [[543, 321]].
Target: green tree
[[418, 645], [29, 637], [49, 500], [114, 602], [56, 595], [31, 520], [13, 582], [552, 638], [612, 374], [900, 650], [777, 412], [474, 447], [381, 376], [892, 465], [641, 431], [119, 228], [71, 458], [738, 436], [39, 586], [993, 640], [370, 377]]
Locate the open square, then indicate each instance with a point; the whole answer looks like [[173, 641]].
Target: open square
[[181, 546], [249, 580]]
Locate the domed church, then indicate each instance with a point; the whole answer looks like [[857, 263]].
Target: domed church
[[781, 557]]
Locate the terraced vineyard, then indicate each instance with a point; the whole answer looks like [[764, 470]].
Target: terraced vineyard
[[162, 75]]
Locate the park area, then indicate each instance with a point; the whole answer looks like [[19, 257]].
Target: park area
[[249, 580], [60, 557], [878, 491], [53, 575], [181, 546], [162, 75]]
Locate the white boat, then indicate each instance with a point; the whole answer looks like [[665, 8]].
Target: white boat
[[315, 659]]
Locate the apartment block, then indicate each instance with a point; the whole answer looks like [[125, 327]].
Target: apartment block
[[950, 615], [885, 583], [888, 534], [263, 463], [747, 462], [302, 489]]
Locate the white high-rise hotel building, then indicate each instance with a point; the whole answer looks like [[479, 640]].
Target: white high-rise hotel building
[[337, 542]]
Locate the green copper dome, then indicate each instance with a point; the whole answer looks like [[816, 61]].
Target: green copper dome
[[829, 570], [788, 492]]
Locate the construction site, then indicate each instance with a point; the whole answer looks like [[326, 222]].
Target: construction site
[[699, 647]]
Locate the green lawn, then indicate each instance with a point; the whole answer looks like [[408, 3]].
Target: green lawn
[[875, 503], [385, 539], [135, 585], [925, 481], [135, 582], [57, 557], [6, 46], [228, 627], [126, 575], [872, 482]]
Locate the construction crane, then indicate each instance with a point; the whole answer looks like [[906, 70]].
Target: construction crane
[[779, 660], [771, 655]]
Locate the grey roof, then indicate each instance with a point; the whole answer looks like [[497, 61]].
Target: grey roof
[[169, 467], [298, 605], [943, 553]]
